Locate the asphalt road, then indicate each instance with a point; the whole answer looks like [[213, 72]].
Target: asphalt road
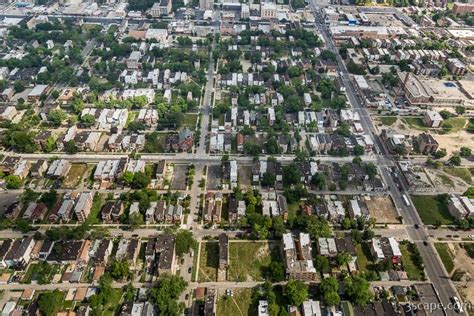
[[433, 267]]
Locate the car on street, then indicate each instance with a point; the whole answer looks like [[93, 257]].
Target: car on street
[[457, 306], [189, 270], [416, 226]]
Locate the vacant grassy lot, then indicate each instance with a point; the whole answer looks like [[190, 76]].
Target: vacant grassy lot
[[463, 173], [190, 120], [413, 271], [416, 123], [208, 261], [74, 176], [388, 120], [364, 257], [94, 215], [431, 210], [445, 255], [249, 259], [239, 304]]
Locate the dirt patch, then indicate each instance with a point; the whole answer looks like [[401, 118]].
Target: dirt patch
[[382, 209], [74, 176], [245, 176], [444, 181]]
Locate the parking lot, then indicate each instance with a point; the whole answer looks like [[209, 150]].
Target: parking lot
[[178, 182], [214, 176]]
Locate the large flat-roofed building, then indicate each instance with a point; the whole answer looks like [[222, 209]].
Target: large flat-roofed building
[[368, 32], [434, 92], [298, 257], [463, 8]]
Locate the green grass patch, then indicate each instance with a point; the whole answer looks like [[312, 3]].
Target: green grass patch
[[94, 215], [208, 262], [388, 120], [416, 123], [463, 173], [364, 257], [239, 304], [249, 259], [414, 272], [432, 210], [130, 118], [454, 124], [154, 143], [446, 256], [190, 119], [293, 209]]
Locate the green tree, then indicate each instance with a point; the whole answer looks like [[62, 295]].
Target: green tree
[[291, 175], [322, 264], [460, 110], [276, 271], [88, 119], [184, 242], [268, 179], [343, 259], [135, 220], [120, 270], [19, 86], [329, 288], [465, 151], [455, 160], [297, 292], [127, 177], [358, 150], [70, 147], [358, 290], [56, 117], [166, 294], [50, 303], [13, 182]]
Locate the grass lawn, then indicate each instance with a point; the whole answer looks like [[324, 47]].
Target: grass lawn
[[74, 176], [388, 120], [463, 173], [414, 273], [93, 217], [208, 262], [293, 209], [432, 210], [240, 304], [457, 124], [130, 118], [416, 123], [364, 258], [445, 255], [154, 143], [190, 119], [248, 260]]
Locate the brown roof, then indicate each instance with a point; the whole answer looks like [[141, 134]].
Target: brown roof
[[27, 294], [80, 294], [199, 292]]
